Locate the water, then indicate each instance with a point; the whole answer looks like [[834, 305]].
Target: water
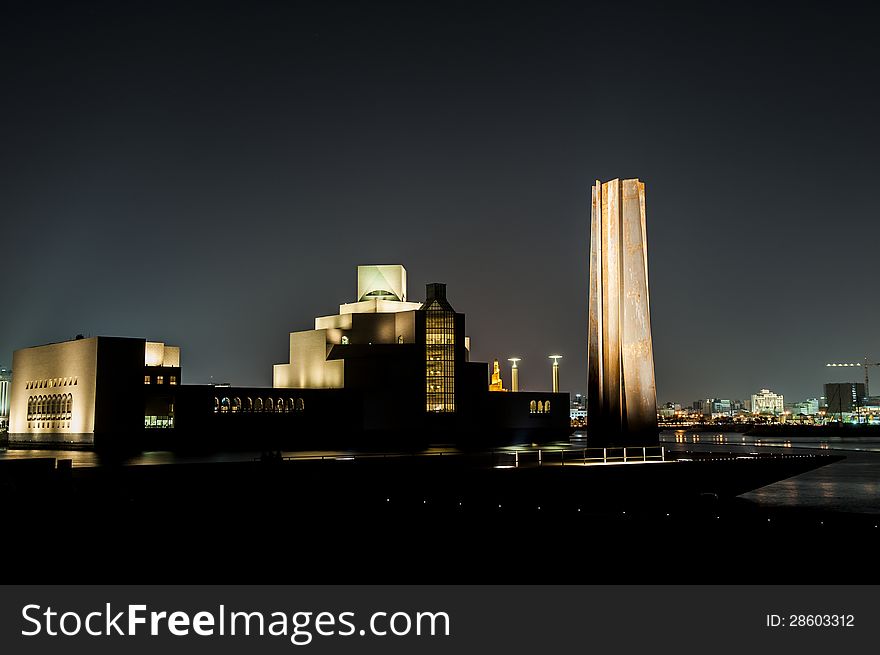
[[852, 485], [87, 458]]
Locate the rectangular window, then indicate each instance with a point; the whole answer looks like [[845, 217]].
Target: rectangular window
[[146, 379], [440, 358], [160, 379], [172, 379]]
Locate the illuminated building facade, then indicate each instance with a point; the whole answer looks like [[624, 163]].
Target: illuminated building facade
[[381, 315], [440, 357], [383, 370], [414, 354], [496, 384], [716, 408], [767, 402], [80, 391], [408, 362], [620, 355], [808, 407]]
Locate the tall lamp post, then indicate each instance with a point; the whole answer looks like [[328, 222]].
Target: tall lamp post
[[555, 359], [514, 373]]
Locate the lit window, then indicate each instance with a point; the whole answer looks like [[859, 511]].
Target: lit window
[[160, 379], [533, 407], [440, 357], [172, 379], [344, 340], [146, 379]]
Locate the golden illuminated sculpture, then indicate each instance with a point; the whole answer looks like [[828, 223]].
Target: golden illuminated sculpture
[[496, 384], [622, 400]]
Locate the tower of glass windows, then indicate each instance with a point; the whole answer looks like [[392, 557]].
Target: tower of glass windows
[[439, 351]]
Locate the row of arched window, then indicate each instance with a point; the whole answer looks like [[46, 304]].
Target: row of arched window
[[274, 405], [51, 382], [55, 407], [539, 407]]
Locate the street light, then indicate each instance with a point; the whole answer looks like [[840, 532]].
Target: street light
[[555, 359], [514, 373]]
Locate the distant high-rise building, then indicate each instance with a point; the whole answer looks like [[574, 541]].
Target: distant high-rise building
[[714, 407], [767, 402], [808, 407], [844, 397], [668, 410]]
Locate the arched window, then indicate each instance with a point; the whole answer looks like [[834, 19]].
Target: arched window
[[248, 405], [270, 405], [532, 407], [224, 405], [56, 405], [258, 405], [300, 405], [540, 407], [236, 405], [30, 407], [279, 406], [216, 404], [289, 405], [68, 406], [399, 338], [345, 341], [547, 407]]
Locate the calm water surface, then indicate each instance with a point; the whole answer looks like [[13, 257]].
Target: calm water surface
[[852, 485]]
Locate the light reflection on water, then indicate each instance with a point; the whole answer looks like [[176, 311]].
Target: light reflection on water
[[852, 485], [86, 458], [735, 438], [847, 486]]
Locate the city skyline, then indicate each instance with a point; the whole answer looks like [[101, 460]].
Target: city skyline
[[164, 183]]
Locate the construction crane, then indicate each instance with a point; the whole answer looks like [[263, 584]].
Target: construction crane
[[864, 364]]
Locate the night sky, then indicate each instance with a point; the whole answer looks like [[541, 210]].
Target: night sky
[[210, 174]]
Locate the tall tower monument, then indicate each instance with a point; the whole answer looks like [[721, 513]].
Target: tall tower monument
[[622, 399]]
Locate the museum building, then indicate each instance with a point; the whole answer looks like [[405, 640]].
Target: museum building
[[384, 369]]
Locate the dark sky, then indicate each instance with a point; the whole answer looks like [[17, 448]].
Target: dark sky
[[210, 174]]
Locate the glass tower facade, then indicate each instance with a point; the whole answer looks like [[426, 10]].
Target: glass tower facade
[[439, 351]]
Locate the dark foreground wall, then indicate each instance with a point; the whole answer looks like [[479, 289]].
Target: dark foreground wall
[[404, 520]]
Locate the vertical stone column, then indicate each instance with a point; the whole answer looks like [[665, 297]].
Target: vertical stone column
[[620, 358], [514, 373]]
